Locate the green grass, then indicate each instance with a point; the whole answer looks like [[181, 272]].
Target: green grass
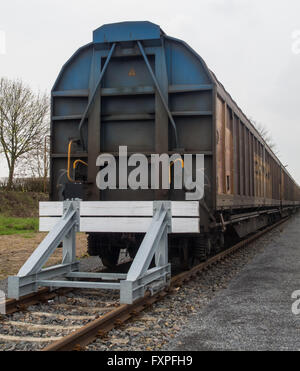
[[23, 226]]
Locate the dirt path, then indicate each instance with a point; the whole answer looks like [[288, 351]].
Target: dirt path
[[15, 250]]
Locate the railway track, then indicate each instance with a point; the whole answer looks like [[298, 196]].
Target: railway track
[[70, 319]]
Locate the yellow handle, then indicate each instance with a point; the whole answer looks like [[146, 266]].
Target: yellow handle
[[75, 162], [69, 161], [172, 163]]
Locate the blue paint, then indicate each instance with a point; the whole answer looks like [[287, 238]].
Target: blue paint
[[77, 72], [184, 66], [126, 31], [131, 110]]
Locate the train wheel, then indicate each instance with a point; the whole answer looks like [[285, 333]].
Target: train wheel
[[219, 243], [133, 245], [201, 248], [109, 257], [108, 254], [93, 244], [101, 246], [187, 260]]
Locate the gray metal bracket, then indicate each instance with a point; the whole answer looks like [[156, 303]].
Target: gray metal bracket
[[141, 277], [33, 270], [133, 285]]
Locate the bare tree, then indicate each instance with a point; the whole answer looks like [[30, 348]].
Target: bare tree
[[35, 163], [23, 122]]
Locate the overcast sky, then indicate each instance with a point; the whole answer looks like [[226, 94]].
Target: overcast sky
[[253, 46]]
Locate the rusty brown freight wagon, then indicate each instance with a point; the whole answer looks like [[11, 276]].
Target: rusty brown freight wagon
[[135, 86]]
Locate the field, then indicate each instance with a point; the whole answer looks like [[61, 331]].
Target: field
[[22, 226], [20, 204], [15, 249]]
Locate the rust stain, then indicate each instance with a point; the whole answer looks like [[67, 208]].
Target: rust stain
[[132, 72]]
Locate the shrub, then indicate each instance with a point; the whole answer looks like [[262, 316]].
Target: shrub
[[27, 184]]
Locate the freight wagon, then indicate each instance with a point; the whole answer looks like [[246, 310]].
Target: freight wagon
[[135, 86]]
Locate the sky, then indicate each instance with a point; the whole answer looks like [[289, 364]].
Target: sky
[[253, 47]]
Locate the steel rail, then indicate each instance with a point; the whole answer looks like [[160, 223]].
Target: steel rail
[[101, 326], [41, 296]]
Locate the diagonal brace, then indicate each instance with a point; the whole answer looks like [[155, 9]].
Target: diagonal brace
[[151, 242], [159, 91], [91, 101], [39, 257]]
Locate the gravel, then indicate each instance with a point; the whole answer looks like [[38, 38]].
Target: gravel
[[56, 318], [255, 312], [161, 327], [157, 327], [60, 312]]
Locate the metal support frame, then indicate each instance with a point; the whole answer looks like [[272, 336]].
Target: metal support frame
[[155, 244], [27, 279], [159, 91], [91, 101], [132, 285]]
